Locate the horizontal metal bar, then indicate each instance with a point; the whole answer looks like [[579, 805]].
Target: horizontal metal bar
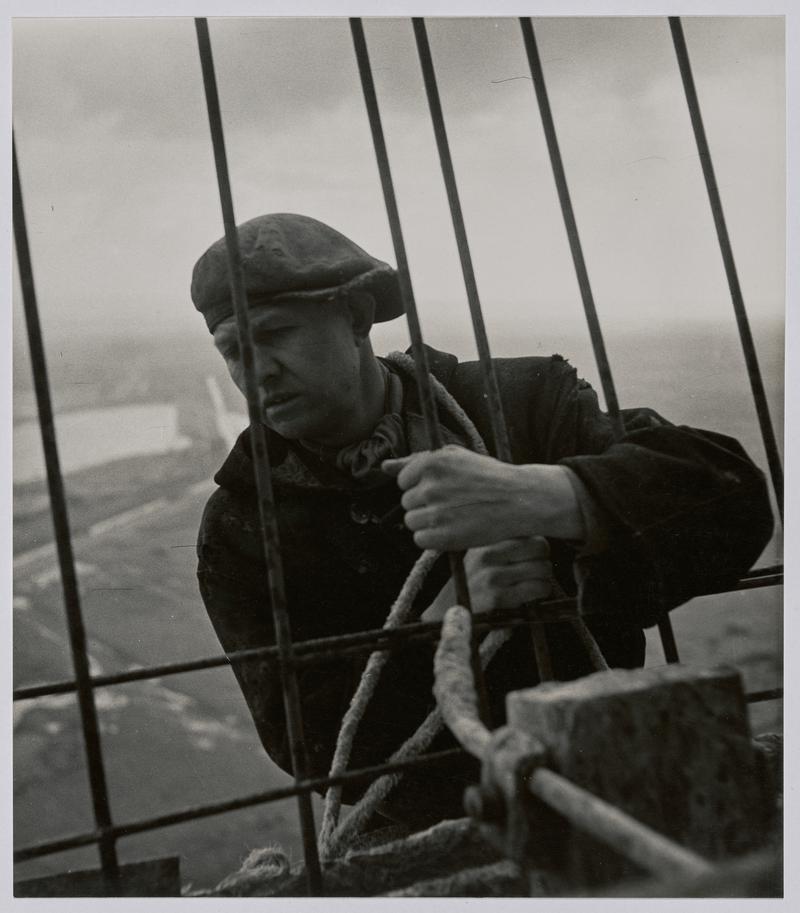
[[34, 851], [770, 694], [755, 583], [636, 841], [768, 569], [323, 648], [309, 651]]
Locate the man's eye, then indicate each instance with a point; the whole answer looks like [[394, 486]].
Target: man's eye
[[231, 351], [266, 335]]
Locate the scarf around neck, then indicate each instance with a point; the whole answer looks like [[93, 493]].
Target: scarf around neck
[[399, 432]]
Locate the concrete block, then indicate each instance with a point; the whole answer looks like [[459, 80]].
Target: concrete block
[[670, 746]]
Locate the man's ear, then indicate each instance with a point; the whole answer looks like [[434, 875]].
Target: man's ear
[[361, 306]]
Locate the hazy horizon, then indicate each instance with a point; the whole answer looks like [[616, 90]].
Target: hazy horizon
[[121, 198]]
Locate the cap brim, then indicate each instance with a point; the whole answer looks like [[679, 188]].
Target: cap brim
[[381, 283]]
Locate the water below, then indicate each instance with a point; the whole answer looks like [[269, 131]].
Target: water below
[[91, 437]]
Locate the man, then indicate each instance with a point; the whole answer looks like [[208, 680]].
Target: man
[[650, 520]]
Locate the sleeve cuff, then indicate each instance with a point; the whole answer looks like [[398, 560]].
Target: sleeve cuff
[[595, 524]]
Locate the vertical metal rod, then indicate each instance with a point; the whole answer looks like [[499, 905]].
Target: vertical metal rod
[[490, 385], [668, 643], [496, 414], [266, 506], [742, 322], [412, 315], [415, 330], [541, 652], [595, 332], [601, 357], [66, 560]]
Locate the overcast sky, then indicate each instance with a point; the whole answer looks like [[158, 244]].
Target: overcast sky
[[117, 169]]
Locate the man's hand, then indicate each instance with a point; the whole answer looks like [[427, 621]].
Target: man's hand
[[456, 499], [500, 576]]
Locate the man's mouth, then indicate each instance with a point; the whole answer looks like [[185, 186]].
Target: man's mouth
[[273, 400]]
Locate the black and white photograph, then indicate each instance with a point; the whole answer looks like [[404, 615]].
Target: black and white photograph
[[396, 452]]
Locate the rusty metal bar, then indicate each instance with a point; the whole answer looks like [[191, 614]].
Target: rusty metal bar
[[491, 388], [261, 467], [576, 249], [34, 851], [323, 648], [609, 824], [66, 560], [742, 322], [412, 315]]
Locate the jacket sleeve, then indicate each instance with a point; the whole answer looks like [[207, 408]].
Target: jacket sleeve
[[687, 510], [237, 601], [234, 588]]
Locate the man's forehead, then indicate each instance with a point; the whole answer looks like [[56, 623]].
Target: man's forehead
[[297, 309]]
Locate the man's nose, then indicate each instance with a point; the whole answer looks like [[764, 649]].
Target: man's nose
[[266, 365]]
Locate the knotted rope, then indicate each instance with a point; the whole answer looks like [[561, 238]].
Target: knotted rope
[[333, 838]]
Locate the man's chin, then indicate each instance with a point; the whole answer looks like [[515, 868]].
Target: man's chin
[[289, 431]]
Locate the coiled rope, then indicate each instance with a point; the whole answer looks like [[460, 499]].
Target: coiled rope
[[333, 838]]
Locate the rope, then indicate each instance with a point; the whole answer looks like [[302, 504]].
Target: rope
[[379, 789], [446, 401], [333, 837], [454, 684], [449, 404], [366, 688], [397, 615]]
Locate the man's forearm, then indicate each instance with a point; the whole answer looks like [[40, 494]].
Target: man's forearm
[[455, 499]]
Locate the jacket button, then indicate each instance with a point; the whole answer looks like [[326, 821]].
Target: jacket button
[[359, 515]]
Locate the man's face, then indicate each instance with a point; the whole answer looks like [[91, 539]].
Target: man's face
[[306, 366]]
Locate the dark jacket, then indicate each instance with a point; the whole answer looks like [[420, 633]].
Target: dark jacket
[[687, 512]]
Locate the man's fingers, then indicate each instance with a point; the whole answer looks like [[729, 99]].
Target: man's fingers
[[510, 597], [408, 470], [394, 466], [522, 592], [510, 551], [423, 518], [511, 574], [414, 497]]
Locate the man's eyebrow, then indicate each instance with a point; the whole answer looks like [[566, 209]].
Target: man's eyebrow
[[272, 320]]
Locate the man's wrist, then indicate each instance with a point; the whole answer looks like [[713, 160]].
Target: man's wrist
[[548, 503]]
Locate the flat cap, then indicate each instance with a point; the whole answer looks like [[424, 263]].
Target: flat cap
[[287, 256]]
